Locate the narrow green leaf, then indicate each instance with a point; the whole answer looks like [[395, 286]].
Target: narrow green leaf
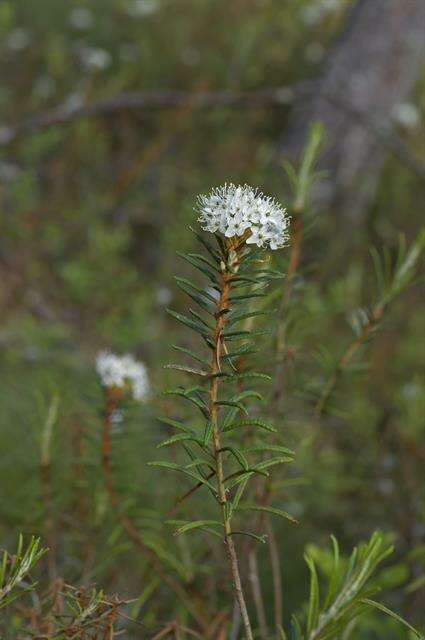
[[242, 351], [248, 314], [270, 447], [179, 438], [171, 466], [181, 367], [388, 612], [334, 578], [208, 433], [296, 633], [238, 494], [246, 376], [191, 354], [196, 297], [235, 478], [206, 271], [202, 320], [197, 524], [190, 398], [252, 422], [244, 333], [177, 425], [199, 328], [238, 280], [272, 510], [272, 462], [238, 455], [313, 605], [202, 291], [249, 393], [282, 633], [213, 253], [204, 260], [254, 536], [198, 463], [247, 296], [230, 403], [221, 244]]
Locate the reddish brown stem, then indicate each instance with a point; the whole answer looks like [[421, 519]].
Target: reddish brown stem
[[223, 305]]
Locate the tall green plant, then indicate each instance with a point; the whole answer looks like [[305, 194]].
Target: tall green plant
[[237, 274]]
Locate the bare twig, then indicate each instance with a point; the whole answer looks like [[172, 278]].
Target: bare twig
[[147, 100]]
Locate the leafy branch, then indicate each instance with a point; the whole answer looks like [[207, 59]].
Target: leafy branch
[[348, 593], [391, 282], [15, 569]]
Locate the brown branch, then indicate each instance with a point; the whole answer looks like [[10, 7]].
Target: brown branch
[[153, 100], [226, 98], [129, 528], [109, 629]]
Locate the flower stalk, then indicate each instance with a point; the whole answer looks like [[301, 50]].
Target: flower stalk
[[222, 309]]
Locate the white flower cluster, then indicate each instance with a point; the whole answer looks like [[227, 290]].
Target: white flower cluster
[[123, 372], [232, 210]]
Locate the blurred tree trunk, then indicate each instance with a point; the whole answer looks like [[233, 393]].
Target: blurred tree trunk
[[370, 69]]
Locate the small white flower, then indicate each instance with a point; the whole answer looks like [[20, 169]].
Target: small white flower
[[232, 210], [123, 372], [406, 114], [18, 39], [81, 18], [139, 8], [96, 58]]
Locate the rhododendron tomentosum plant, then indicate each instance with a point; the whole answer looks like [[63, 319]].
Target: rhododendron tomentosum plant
[[246, 227]]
